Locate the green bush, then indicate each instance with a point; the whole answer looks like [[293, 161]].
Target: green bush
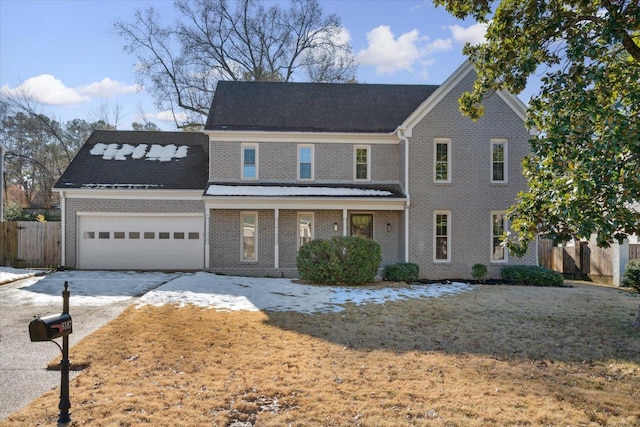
[[401, 272], [479, 272], [341, 260], [631, 275], [531, 275]]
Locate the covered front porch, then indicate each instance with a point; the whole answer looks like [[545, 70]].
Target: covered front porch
[[259, 233]]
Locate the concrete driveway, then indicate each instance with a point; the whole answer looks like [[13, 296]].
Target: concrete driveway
[[23, 376]]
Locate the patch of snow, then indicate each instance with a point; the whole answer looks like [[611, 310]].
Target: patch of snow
[[255, 294], [139, 152], [163, 153], [122, 186], [230, 293], [9, 274], [262, 190]]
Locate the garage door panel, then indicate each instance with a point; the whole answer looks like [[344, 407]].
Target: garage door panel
[[141, 242]]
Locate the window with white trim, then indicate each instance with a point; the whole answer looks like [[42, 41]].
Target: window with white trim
[[442, 160], [249, 236], [499, 165], [249, 161], [498, 229], [442, 236], [305, 162], [362, 163], [305, 228]]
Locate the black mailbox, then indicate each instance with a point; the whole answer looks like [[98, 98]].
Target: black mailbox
[[50, 327]]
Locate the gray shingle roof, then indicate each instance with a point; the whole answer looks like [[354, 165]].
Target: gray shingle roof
[[313, 107], [120, 160]]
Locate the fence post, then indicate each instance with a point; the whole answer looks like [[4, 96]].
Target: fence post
[[620, 260]]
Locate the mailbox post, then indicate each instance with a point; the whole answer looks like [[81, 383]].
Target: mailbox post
[[47, 329]]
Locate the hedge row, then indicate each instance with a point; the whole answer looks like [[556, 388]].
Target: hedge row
[[532, 275]]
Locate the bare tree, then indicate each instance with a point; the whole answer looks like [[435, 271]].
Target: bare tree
[[215, 40], [39, 147]]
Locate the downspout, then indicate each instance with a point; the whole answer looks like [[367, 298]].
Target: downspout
[[63, 222], [403, 137]]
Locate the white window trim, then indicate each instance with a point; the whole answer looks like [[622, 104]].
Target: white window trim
[[446, 141], [355, 162], [244, 147], [243, 214], [313, 155], [506, 228], [505, 143], [313, 222], [435, 228]]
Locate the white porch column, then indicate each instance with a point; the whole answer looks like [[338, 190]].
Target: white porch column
[[207, 240], [344, 222], [276, 245], [620, 260]]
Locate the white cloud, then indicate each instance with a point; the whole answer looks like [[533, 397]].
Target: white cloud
[[438, 45], [46, 89], [473, 34], [389, 54], [107, 88], [166, 116]]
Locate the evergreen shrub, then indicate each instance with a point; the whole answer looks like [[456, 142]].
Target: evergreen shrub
[[531, 275], [341, 260]]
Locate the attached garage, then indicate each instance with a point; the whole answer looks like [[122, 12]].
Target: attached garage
[[133, 200], [140, 242]]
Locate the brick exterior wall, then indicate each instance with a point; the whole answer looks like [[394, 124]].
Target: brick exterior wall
[[75, 205], [277, 162], [470, 197], [225, 237]]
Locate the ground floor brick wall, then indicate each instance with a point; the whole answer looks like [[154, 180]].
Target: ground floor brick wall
[[225, 239], [73, 206]]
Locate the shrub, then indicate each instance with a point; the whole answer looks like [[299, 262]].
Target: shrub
[[532, 275], [631, 275], [479, 272], [401, 272], [341, 260]]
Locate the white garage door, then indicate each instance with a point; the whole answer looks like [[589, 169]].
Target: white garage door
[[141, 242]]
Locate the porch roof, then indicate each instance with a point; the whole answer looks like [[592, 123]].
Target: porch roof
[[376, 191]]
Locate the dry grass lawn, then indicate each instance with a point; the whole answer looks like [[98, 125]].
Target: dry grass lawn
[[495, 356]]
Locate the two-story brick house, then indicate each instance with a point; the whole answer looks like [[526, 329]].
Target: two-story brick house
[[282, 163]]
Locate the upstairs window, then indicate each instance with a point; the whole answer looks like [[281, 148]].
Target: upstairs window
[[362, 162], [499, 160], [249, 161], [442, 160], [305, 162]]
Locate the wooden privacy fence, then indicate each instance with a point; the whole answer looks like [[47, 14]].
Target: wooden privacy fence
[[30, 244], [582, 260]]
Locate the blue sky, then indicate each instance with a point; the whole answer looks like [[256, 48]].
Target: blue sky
[[68, 56]]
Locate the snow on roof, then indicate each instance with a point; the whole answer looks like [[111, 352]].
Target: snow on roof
[[163, 153], [263, 190]]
